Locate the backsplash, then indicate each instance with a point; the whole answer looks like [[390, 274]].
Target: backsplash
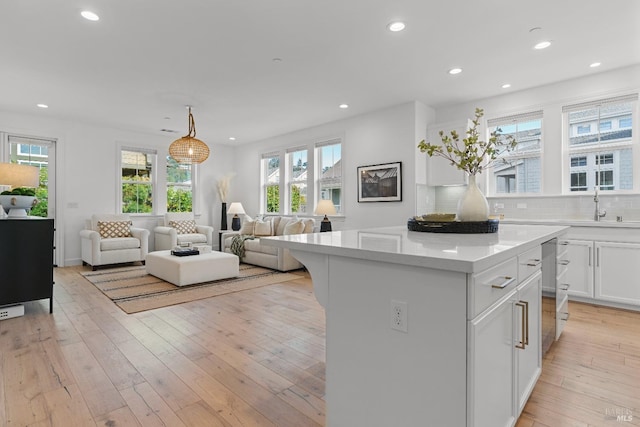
[[573, 207]]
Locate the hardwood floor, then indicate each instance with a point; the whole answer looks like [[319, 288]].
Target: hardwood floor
[[255, 358]]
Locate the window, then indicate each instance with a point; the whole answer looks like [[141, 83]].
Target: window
[[297, 180], [271, 182], [603, 157], [179, 186], [329, 172], [520, 171], [137, 180], [41, 154], [582, 129]]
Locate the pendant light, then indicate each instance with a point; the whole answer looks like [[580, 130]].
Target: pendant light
[[189, 149]]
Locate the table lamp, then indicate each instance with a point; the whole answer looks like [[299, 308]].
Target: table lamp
[[16, 175], [236, 209], [325, 207]]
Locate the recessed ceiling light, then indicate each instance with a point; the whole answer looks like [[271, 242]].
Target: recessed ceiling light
[[276, 60], [542, 45], [506, 86], [343, 106], [455, 70], [396, 26], [232, 138], [42, 105], [595, 64], [86, 14]]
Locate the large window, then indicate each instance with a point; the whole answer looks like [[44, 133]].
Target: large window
[[520, 169], [179, 186], [297, 180], [137, 185], [602, 156], [271, 182], [329, 173]]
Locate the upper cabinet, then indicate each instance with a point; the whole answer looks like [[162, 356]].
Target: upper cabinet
[[439, 170]]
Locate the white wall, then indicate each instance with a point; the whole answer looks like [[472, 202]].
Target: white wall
[[87, 175], [388, 135], [550, 99]]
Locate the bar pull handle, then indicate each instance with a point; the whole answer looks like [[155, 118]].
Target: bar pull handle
[[565, 287], [523, 332], [563, 243], [534, 262], [507, 281], [597, 257], [566, 318], [564, 262], [589, 256]]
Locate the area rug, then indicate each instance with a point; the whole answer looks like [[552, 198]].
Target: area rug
[[133, 290]]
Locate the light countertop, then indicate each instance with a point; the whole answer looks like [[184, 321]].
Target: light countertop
[[574, 222], [466, 253]]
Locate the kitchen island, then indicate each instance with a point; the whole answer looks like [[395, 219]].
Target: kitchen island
[[427, 329]]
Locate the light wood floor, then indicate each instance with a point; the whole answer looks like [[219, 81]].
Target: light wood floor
[[254, 358]]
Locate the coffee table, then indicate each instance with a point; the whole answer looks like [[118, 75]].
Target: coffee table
[[188, 270]]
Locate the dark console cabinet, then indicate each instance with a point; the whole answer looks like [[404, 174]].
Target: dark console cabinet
[[26, 260]]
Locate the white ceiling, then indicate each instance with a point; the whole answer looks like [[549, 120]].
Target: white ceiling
[[138, 66]]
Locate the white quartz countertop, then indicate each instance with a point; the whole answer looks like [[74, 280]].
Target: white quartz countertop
[[574, 222], [466, 253]]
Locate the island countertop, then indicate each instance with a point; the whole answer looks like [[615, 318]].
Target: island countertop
[[467, 253]]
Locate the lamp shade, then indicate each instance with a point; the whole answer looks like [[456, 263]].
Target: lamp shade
[[17, 175], [236, 208], [325, 207], [189, 149]]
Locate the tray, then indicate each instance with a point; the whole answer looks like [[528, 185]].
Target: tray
[[185, 252], [462, 227]]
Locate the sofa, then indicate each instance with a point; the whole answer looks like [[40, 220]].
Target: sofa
[[111, 239], [268, 256], [180, 228]]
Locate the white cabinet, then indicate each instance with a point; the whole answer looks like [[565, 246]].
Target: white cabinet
[[603, 271], [505, 344], [528, 337], [439, 170], [492, 364], [617, 268], [579, 278]]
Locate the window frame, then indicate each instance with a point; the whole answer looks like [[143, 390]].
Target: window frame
[[516, 156], [340, 211], [594, 150], [291, 181], [193, 172], [153, 175]]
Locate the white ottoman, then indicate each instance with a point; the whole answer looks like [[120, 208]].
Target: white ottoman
[[187, 270]]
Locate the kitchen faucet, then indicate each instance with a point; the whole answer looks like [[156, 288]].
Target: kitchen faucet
[[598, 214]]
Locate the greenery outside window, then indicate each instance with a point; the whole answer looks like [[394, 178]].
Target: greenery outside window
[[521, 170], [179, 186], [137, 183], [270, 166], [297, 180], [329, 172], [603, 156]]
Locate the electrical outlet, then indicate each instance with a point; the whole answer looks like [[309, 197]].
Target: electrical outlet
[[399, 316]]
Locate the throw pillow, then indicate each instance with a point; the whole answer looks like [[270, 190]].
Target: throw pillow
[[308, 225], [247, 227], [262, 228], [114, 228], [187, 226], [294, 227], [281, 225]]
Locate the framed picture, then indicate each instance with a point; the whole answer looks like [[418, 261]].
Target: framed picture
[[380, 183]]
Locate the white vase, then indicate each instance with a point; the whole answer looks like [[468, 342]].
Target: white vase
[[472, 206]]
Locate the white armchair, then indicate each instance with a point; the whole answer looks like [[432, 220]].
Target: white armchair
[[179, 229], [111, 239]]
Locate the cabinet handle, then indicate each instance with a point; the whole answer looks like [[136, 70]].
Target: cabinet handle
[[507, 281], [534, 262], [565, 287], [566, 318], [597, 257], [523, 326], [563, 243], [589, 256], [564, 262]]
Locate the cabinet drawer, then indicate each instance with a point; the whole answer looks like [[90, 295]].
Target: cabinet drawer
[[489, 286], [529, 262], [562, 316]]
